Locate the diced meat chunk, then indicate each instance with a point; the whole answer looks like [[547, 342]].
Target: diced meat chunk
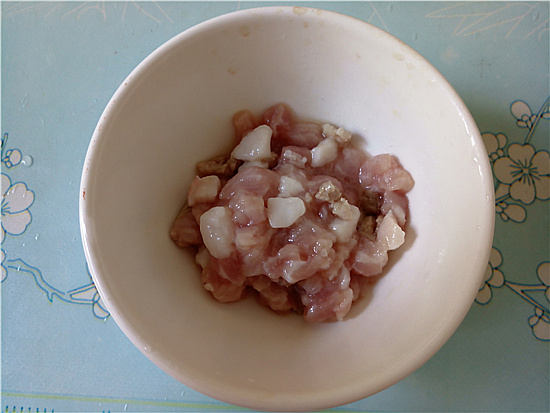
[[217, 231], [288, 265], [277, 297], [369, 257], [345, 228], [252, 244], [325, 152], [279, 119], [216, 280], [185, 230], [340, 135], [328, 192], [295, 156], [297, 215], [254, 146], [385, 173], [289, 187], [305, 135], [342, 209], [204, 190], [283, 212], [324, 299], [254, 180], [248, 209], [389, 232], [396, 202], [222, 167]]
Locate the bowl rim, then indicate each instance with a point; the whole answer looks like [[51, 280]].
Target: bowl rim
[[292, 403]]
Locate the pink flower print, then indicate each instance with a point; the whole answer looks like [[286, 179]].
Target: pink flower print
[[523, 114], [493, 278], [13, 158], [16, 201], [510, 212], [494, 144], [540, 324], [525, 172]]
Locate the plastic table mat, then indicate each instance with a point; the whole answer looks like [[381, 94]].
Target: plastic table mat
[[61, 63]]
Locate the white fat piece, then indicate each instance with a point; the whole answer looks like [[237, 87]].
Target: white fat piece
[[289, 187], [255, 146], [217, 231], [326, 151], [345, 224], [283, 212], [389, 233]]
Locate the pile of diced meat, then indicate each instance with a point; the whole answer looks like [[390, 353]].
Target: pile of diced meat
[[296, 213]]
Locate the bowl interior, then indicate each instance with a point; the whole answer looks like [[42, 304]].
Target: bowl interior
[[175, 109]]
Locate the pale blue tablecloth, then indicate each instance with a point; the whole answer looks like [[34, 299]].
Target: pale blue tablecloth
[[62, 61]]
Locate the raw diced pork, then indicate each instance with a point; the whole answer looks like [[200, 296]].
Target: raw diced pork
[[296, 213]]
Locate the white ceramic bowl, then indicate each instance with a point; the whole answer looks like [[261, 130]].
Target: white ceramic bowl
[[175, 109]]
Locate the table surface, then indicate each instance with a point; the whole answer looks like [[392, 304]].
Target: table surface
[[61, 63]]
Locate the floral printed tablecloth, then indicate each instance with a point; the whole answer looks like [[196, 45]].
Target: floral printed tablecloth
[[62, 61]]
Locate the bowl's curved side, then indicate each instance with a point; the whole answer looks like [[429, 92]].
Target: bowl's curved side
[[174, 110]]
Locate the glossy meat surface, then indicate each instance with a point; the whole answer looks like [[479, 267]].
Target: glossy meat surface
[[297, 214]]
